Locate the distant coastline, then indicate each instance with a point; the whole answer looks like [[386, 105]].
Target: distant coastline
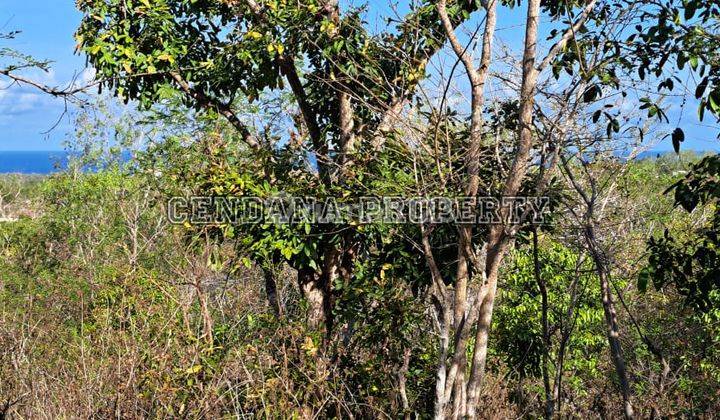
[[52, 161], [33, 162]]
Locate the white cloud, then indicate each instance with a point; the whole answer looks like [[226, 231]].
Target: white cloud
[[18, 99], [87, 75], [24, 105]]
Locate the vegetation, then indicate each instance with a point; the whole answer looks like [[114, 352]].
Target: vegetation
[[610, 308]]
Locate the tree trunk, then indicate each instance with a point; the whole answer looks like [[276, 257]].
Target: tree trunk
[[613, 332], [498, 237], [402, 381], [316, 288], [549, 402], [441, 374], [477, 373], [271, 291], [313, 292]]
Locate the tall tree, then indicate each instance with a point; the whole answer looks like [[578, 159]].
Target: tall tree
[[348, 85]]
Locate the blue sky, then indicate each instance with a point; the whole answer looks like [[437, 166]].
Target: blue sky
[[47, 33]]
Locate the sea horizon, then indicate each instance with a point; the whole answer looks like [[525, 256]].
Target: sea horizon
[[33, 162], [45, 162]]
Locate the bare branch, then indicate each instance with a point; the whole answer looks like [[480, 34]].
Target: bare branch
[[569, 34], [66, 93]]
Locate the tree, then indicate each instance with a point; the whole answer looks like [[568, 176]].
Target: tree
[[350, 88]]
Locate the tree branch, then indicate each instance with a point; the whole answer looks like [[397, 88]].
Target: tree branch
[[287, 66], [70, 91], [569, 34], [207, 102], [288, 69]]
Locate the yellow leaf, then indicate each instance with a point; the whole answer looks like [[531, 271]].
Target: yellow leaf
[[328, 27], [383, 269], [309, 346], [194, 369], [166, 57], [254, 35]]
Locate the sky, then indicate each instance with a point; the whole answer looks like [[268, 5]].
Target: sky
[[47, 33], [30, 120]]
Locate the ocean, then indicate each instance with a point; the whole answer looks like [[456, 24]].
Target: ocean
[[33, 162], [47, 162]]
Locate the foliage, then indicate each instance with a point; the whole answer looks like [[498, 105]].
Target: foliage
[[567, 275], [691, 264], [109, 310]]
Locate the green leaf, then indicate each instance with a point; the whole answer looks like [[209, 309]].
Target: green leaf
[[714, 101], [700, 90], [694, 62], [689, 11], [591, 93], [678, 136]]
